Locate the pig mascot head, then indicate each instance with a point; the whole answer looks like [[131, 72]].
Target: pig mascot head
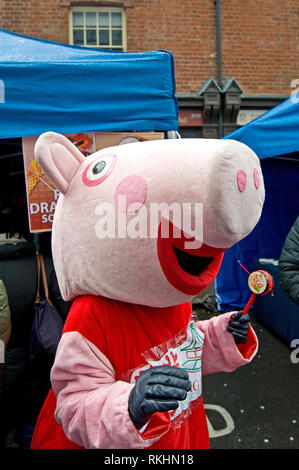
[[148, 222]]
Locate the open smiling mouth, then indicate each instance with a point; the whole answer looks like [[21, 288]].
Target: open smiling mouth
[[188, 270]]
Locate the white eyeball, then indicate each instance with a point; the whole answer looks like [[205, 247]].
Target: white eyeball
[[98, 170]]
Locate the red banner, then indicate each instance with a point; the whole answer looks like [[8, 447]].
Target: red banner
[[41, 193], [190, 118]]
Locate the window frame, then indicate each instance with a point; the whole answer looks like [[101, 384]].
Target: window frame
[[109, 10]]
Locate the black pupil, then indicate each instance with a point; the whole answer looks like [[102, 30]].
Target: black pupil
[[99, 167]]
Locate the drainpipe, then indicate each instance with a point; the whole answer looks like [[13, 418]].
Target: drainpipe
[[211, 302], [219, 58]]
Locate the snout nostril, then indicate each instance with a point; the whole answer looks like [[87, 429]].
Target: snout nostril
[[241, 180], [256, 178]]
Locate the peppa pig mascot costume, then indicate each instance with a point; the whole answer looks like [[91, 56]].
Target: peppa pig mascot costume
[[139, 229]]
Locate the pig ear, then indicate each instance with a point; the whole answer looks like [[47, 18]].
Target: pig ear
[[59, 158]]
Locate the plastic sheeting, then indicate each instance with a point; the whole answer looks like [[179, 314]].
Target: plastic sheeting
[[49, 86]]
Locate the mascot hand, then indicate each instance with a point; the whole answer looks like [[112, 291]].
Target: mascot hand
[[238, 326], [157, 389]]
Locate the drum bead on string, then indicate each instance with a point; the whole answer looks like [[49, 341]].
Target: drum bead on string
[[260, 283]]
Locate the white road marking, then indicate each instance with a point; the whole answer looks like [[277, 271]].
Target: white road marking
[[230, 425]]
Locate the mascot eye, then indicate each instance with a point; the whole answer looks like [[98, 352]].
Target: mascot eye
[[98, 170], [98, 167]]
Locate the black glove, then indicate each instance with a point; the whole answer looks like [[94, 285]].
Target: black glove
[[157, 389], [238, 326]]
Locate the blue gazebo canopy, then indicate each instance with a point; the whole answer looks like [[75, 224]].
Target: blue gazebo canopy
[[49, 86], [273, 133], [274, 137]]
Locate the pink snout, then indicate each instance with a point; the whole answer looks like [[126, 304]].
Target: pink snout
[[238, 194]]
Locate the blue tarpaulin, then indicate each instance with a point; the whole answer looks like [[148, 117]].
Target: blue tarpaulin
[[275, 132], [50, 86], [274, 137]]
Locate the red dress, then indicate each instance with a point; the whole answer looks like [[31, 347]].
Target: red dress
[[122, 332]]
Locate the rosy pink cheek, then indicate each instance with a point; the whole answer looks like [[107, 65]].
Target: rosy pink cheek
[[256, 178], [241, 180], [130, 193]]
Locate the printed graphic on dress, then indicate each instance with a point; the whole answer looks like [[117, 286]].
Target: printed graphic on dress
[[187, 356]]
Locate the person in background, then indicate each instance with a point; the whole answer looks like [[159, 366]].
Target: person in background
[[288, 265], [25, 384]]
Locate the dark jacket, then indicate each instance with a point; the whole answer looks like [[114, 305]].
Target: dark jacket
[[24, 385], [288, 266]]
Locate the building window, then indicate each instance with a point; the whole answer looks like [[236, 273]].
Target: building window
[[98, 27]]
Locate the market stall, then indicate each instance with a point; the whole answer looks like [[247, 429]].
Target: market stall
[[96, 97], [274, 138]]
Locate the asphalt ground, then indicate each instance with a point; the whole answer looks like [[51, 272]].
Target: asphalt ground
[[256, 406]]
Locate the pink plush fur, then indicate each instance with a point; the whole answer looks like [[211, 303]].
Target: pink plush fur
[[193, 171]]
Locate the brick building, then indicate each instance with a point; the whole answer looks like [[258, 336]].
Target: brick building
[[238, 56]]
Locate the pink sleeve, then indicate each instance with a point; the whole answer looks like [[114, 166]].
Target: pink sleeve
[[220, 352], [92, 406]]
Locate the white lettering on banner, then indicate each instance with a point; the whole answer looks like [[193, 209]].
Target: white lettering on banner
[[230, 425], [43, 207], [47, 218]]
